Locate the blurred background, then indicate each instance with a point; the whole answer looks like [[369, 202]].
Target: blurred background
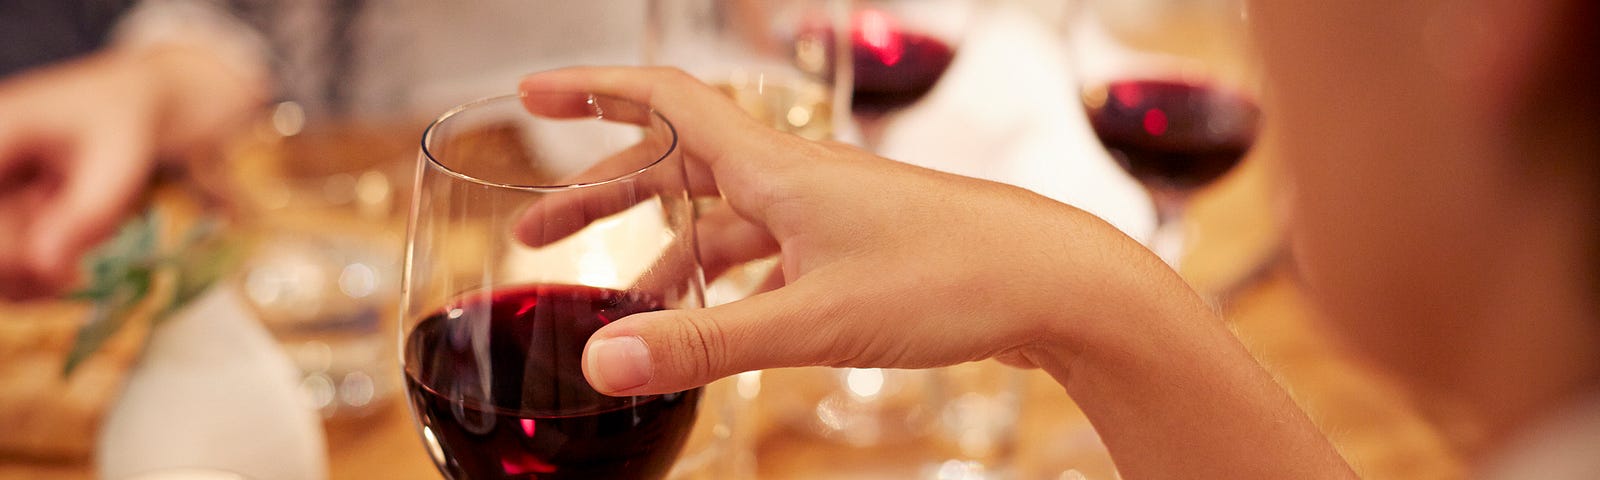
[[288, 369]]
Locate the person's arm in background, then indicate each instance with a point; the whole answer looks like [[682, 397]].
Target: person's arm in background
[[78, 139], [895, 266]]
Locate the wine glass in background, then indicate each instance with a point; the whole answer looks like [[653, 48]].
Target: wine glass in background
[[1169, 89], [775, 58], [528, 234], [789, 64], [325, 200], [899, 50], [320, 182]]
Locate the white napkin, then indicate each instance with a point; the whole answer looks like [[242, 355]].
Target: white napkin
[[213, 391], [1006, 111]]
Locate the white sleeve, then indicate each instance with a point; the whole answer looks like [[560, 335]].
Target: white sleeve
[[196, 23]]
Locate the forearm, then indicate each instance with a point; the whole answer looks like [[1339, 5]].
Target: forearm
[[1180, 397], [199, 98]]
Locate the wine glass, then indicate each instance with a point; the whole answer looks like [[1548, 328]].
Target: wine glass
[[779, 61], [1169, 89], [528, 233], [775, 58], [899, 50]]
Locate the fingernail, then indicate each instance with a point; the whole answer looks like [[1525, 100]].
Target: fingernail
[[619, 363]]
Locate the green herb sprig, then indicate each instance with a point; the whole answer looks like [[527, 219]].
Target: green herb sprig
[[126, 270]]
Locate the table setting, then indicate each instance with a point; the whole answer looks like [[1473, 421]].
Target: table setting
[[385, 278]]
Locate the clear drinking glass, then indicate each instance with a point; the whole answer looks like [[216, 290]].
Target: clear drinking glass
[[324, 200], [321, 183], [528, 233], [1169, 88]]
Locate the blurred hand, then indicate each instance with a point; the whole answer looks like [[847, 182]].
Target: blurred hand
[[885, 264], [78, 141]]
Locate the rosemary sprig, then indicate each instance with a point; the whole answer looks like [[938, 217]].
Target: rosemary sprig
[[126, 270]]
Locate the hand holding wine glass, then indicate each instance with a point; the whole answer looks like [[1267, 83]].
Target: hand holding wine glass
[[895, 266], [899, 236]]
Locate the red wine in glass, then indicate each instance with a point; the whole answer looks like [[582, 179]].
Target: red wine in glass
[[496, 381], [1172, 135], [893, 67]]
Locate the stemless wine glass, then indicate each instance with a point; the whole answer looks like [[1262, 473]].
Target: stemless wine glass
[[1169, 88], [528, 233]]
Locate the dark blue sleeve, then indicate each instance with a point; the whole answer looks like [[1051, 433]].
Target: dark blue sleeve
[[39, 32]]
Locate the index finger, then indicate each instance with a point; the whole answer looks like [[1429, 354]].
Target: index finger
[[744, 157], [717, 124]]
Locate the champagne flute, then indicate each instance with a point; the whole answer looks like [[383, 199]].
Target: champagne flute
[[528, 233], [1170, 91]]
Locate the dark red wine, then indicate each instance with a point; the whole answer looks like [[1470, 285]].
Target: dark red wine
[[496, 381], [1170, 134], [893, 68]]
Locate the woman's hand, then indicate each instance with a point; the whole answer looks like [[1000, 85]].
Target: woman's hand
[[890, 265], [79, 139], [885, 264]]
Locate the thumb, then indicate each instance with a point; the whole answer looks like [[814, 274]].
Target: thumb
[[675, 350]]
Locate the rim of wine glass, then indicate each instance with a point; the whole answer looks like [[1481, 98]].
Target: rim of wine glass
[[427, 137]]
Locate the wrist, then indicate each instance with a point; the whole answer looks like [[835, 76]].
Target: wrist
[[208, 67], [1131, 304], [196, 96], [1172, 392], [1142, 341]]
